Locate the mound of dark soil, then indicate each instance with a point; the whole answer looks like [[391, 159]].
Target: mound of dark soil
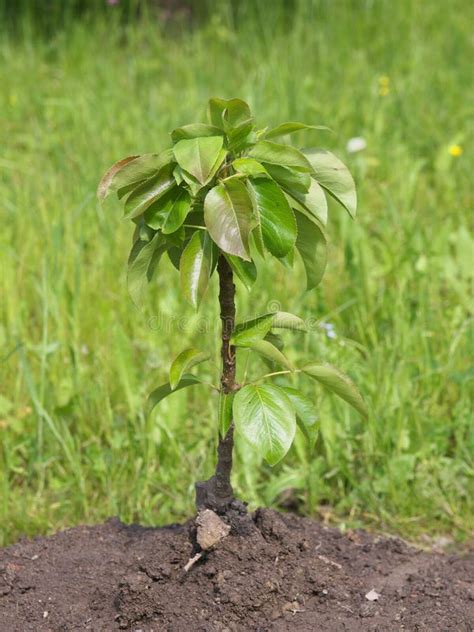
[[286, 573]]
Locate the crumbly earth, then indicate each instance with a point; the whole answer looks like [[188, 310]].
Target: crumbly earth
[[275, 572]]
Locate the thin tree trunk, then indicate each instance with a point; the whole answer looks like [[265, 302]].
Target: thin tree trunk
[[216, 493]]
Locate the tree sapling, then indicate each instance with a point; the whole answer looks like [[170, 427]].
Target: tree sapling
[[224, 197]]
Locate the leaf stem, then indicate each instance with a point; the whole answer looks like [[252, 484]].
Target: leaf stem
[[213, 386], [264, 377]]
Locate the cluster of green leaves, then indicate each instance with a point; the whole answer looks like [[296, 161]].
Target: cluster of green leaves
[[227, 189], [266, 414]]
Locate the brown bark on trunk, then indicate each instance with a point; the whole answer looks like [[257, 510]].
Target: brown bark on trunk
[[216, 493]]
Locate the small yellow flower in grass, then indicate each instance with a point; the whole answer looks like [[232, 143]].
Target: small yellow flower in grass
[[384, 85], [455, 150]]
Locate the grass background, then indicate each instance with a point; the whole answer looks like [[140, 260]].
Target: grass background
[[77, 359]]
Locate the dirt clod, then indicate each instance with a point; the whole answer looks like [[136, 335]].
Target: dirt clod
[[372, 595], [210, 529], [114, 577]]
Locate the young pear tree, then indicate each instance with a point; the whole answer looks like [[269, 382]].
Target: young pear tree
[[226, 197]]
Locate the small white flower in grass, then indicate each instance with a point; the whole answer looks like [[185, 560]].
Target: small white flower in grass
[[329, 329], [356, 144]]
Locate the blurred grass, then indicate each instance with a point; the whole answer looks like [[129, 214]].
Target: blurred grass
[[77, 359]]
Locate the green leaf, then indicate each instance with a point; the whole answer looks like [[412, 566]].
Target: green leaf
[[218, 164], [277, 220], [314, 201], [311, 244], [256, 235], [275, 154], [144, 258], [232, 112], [178, 175], [291, 127], [265, 417], [241, 136], [124, 191], [170, 211], [195, 130], [338, 383], [215, 254], [193, 184], [268, 351], [183, 362], [229, 217], [285, 320], [276, 340], [105, 184], [225, 412], [142, 232], [334, 176], [259, 328], [174, 255], [201, 157], [249, 167], [131, 171], [165, 389], [250, 330], [176, 239], [195, 267], [245, 270], [289, 179], [149, 192], [306, 415]]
